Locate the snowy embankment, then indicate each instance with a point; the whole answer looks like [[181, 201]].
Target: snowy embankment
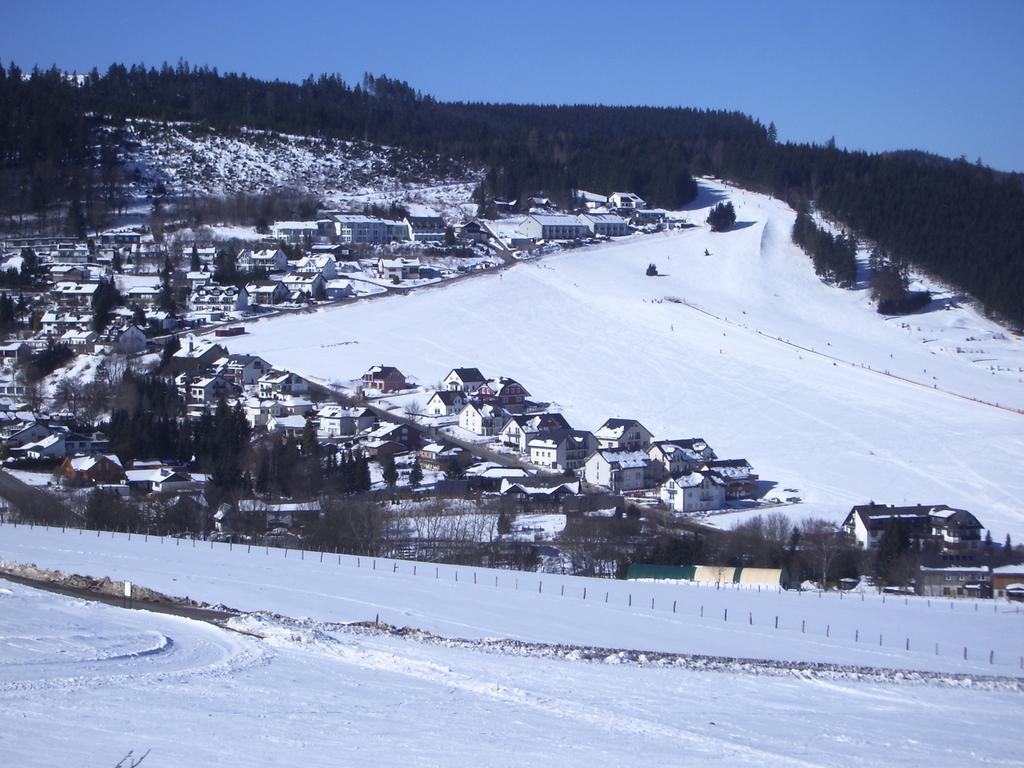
[[476, 603], [745, 347], [86, 683]]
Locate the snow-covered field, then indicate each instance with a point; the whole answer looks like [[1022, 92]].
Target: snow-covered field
[[84, 683], [744, 347]]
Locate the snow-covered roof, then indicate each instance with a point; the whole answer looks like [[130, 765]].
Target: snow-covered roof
[[625, 459]]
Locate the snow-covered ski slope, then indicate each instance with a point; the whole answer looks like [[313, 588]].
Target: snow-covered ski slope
[[80, 684], [763, 360], [84, 683]]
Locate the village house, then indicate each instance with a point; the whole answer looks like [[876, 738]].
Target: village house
[[520, 429], [207, 390], [671, 457], [259, 412], [92, 470], [59, 323], [69, 273], [945, 527], [543, 492], [1008, 581], [242, 370], [554, 226], [335, 421], [482, 419], [384, 378], [196, 353], [445, 403], [128, 340], [467, 380], [81, 342], [339, 289], [266, 293], [737, 475], [626, 200], [277, 385], [218, 298], [74, 295], [623, 435], [159, 480], [288, 424], [145, 296], [617, 470], [502, 391], [322, 264], [564, 449], [398, 269], [426, 229], [304, 286], [268, 259], [438, 457], [692, 492], [407, 436]]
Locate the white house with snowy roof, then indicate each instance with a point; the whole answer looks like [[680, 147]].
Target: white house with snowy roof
[[617, 470], [693, 492], [554, 226]]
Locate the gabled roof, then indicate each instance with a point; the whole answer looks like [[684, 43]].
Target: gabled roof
[[623, 459], [467, 375], [448, 397], [379, 371], [613, 429]]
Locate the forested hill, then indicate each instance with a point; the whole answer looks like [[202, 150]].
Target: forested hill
[[960, 222]]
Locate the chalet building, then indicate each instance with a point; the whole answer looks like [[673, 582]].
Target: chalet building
[[218, 298], [564, 449], [196, 353], [617, 470], [243, 370], [673, 457], [269, 260], [317, 264], [92, 470], [438, 457], [693, 492], [944, 527], [266, 293], [519, 430], [445, 403], [626, 200], [127, 341], [384, 378], [502, 391], [554, 226], [305, 286], [736, 475], [542, 492], [623, 435], [467, 380]]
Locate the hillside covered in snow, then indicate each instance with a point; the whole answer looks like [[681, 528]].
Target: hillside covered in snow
[[736, 341], [190, 159]]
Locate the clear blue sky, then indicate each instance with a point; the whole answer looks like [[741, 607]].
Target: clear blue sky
[[945, 77]]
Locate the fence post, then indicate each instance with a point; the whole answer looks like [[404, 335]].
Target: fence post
[[563, 590], [776, 622], [908, 643], [673, 606], [750, 618], [803, 626], [630, 599], [702, 611], [584, 593]]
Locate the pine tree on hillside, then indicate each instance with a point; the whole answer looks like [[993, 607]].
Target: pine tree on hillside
[[722, 217]]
